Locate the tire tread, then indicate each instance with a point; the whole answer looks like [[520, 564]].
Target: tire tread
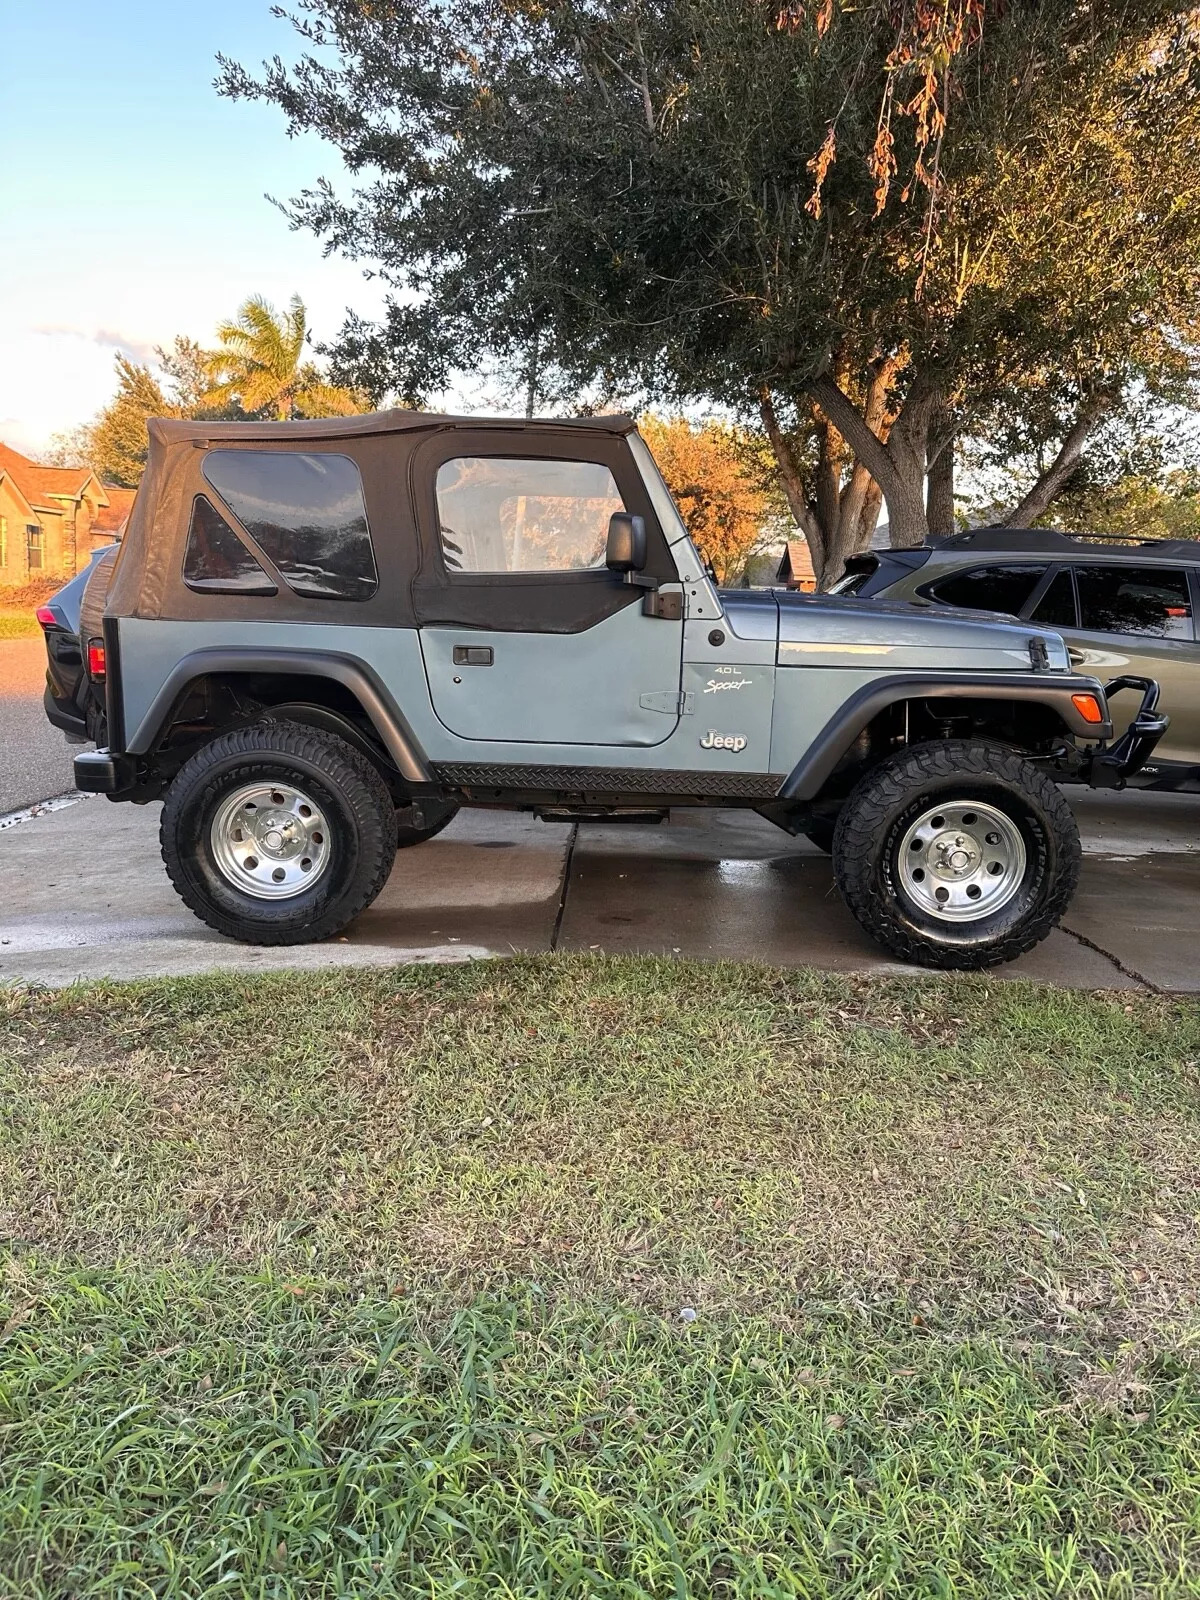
[[892, 784], [344, 767]]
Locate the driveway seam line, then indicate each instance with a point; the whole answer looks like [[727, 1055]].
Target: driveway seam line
[[566, 885], [1127, 972]]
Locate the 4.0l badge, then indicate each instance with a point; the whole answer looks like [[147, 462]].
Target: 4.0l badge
[[713, 740]]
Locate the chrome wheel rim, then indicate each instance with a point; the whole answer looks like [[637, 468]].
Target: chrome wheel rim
[[961, 861], [270, 840]]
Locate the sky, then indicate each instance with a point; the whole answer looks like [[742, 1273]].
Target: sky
[[132, 198]]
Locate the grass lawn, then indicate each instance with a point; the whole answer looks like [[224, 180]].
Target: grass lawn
[[18, 624], [591, 1277]]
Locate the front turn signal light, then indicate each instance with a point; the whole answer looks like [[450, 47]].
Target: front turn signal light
[[96, 660], [1088, 707]]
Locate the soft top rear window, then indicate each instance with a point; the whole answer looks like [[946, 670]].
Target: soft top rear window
[[306, 512]]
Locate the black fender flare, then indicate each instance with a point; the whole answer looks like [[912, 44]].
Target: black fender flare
[[384, 714], [808, 777]]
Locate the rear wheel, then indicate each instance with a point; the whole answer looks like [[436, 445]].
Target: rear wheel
[[960, 854], [278, 834]]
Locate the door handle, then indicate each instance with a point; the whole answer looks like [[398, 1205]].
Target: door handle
[[473, 655]]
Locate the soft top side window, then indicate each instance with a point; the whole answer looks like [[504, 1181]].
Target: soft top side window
[[505, 514], [997, 588], [307, 514], [215, 560]]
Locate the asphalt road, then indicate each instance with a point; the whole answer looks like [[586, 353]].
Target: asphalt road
[[35, 759]]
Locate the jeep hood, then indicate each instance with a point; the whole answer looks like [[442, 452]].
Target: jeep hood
[[843, 631]]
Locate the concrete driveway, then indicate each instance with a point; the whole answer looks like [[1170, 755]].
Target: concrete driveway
[[83, 894]]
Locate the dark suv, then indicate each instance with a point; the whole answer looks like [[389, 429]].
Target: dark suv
[[1121, 608]]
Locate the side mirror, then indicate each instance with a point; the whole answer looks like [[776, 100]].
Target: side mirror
[[626, 551]]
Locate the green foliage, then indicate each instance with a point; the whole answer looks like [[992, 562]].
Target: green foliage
[[630, 188], [1133, 508]]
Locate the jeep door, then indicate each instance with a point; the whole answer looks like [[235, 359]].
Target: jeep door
[[526, 635], [1135, 619]]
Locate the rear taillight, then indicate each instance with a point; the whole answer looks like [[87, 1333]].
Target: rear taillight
[[45, 615], [96, 659]]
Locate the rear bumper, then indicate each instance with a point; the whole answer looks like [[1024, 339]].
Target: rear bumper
[[101, 772]]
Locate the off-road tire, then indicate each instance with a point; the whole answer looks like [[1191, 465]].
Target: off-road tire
[[344, 783], [444, 811], [893, 794]]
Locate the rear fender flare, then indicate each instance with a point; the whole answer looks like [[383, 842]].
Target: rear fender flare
[[381, 710], [810, 774]]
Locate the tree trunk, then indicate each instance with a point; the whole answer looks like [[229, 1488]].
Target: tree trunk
[[1037, 502], [897, 464], [907, 524], [531, 380], [793, 482], [869, 518], [939, 493]]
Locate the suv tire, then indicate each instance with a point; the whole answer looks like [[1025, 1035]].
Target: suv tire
[[960, 854], [278, 834]]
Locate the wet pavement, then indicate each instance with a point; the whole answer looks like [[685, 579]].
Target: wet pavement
[[83, 894]]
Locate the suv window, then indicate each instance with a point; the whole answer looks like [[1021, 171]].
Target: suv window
[[1146, 600], [216, 560], [1056, 608], [500, 514], [1001, 588], [306, 512]]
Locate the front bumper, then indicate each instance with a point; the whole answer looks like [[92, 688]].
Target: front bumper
[[1111, 766]]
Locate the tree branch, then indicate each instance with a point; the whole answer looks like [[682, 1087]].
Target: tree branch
[[1037, 501], [867, 446]]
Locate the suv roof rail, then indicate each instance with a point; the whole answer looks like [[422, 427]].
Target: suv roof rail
[[1051, 541]]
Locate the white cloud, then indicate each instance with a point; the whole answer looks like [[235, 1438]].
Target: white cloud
[[140, 350]]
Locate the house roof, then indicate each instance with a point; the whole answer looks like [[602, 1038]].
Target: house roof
[[41, 484], [113, 517], [796, 563]]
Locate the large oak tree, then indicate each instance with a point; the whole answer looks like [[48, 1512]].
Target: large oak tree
[[867, 224]]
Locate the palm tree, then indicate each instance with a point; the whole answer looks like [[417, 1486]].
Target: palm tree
[[257, 365]]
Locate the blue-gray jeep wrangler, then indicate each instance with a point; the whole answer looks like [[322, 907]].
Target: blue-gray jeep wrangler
[[322, 638]]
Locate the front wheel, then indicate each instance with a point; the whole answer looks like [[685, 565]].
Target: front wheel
[[278, 833], [957, 855]]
